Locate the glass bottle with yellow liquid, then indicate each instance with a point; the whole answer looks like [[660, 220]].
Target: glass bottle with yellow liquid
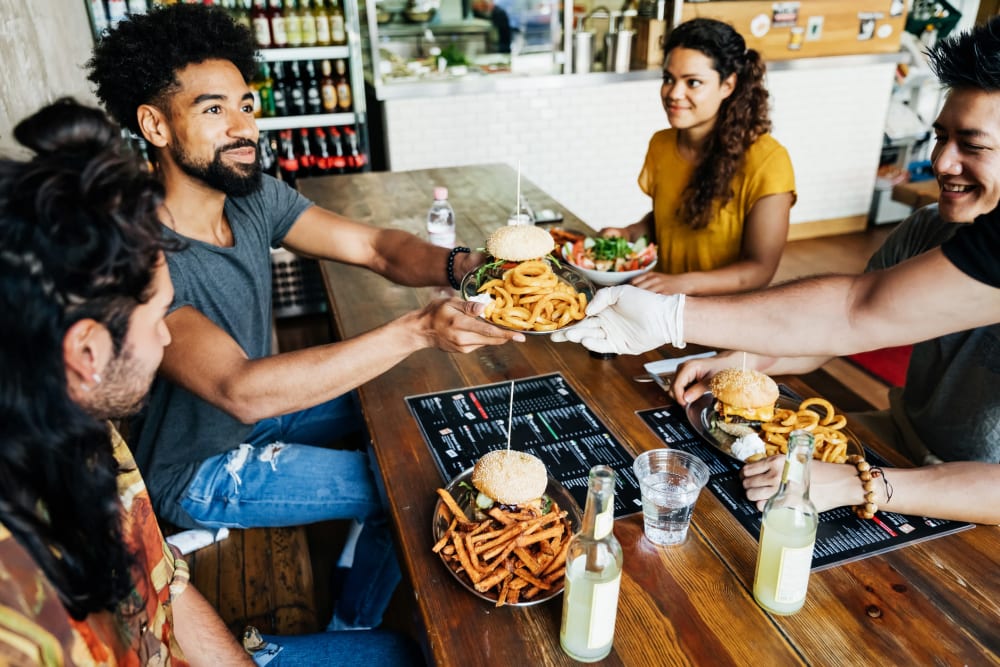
[[788, 534], [593, 575]]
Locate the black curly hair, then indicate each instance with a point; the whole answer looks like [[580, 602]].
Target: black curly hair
[[970, 59], [79, 238], [137, 62], [743, 116]]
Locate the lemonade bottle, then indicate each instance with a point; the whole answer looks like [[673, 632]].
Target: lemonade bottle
[[593, 575], [788, 534]]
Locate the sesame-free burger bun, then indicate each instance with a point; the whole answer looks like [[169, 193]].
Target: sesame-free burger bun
[[743, 388], [517, 243], [510, 477]]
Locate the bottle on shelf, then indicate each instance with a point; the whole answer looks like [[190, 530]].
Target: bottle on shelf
[[338, 28], [293, 23], [279, 89], [279, 36], [261, 24], [321, 149], [314, 101], [356, 159], [296, 90], [343, 88], [338, 160], [787, 534], [328, 88], [288, 162], [241, 13], [307, 161], [117, 12], [322, 20], [308, 23], [98, 15], [137, 7], [441, 219], [593, 574], [268, 156], [262, 87]]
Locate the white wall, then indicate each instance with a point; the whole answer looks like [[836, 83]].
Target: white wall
[[585, 145], [43, 46]]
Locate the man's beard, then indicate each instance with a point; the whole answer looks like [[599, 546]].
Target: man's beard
[[123, 389], [235, 181]]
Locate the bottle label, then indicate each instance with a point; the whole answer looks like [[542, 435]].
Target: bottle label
[[278, 30], [793, 574], [590, 607], [337, 31], [604, 522], [793, 471], [308, 30], [343, 95], [322, 30], [262, 31]]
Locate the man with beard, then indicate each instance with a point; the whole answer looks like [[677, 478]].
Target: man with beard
[[235, 436], [87, 576]]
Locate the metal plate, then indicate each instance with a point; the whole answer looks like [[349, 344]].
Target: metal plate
[[566, 273], [442, 518], [701, 415]]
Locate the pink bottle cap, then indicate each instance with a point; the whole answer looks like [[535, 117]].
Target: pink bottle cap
[[440, 192]]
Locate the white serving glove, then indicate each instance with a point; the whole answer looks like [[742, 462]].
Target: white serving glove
[[628, 320]]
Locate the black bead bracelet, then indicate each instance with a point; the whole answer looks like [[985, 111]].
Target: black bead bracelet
[[451, 266]]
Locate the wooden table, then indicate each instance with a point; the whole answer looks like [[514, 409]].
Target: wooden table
[[936, 602]]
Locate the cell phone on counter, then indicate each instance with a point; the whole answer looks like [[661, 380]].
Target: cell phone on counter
[[547, 215]]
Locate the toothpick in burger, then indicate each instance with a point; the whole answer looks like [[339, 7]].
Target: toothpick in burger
[[744, 399]]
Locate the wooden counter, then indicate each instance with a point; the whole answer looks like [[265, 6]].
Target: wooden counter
[[937, 602]]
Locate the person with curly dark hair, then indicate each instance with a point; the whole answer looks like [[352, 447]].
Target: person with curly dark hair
[[235, 436], [87, 573], [88, 578], [722, 186]]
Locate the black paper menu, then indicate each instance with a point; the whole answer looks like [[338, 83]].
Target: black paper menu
[[841, 537], [549, 420]]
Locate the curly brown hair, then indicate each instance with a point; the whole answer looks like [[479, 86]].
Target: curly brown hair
[[743, 116]]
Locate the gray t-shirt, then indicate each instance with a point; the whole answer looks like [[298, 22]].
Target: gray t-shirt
[[232, 287], [952, 394]]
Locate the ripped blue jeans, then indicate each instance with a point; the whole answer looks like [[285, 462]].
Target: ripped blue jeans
[[284, 475]]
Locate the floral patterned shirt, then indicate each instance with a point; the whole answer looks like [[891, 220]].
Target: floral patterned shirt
[[35, 628]]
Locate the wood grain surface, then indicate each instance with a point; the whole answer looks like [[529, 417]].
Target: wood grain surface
[[931, 603]]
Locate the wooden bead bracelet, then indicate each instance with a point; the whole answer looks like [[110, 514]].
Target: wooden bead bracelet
[[867, 474]]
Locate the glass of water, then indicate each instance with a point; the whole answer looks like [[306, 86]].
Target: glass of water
[[670, 481]]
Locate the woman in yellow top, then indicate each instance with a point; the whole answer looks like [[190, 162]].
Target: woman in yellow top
[[722, 187]]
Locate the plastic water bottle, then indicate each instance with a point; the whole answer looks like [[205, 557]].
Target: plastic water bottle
[[441, 220]]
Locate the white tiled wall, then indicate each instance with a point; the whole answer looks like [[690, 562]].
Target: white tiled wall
[[585, 145]]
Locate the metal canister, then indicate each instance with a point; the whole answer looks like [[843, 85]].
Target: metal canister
[[619, 51], [583, 51]]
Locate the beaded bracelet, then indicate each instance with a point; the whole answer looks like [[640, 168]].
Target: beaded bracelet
[[867, 473], [452, 280]]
